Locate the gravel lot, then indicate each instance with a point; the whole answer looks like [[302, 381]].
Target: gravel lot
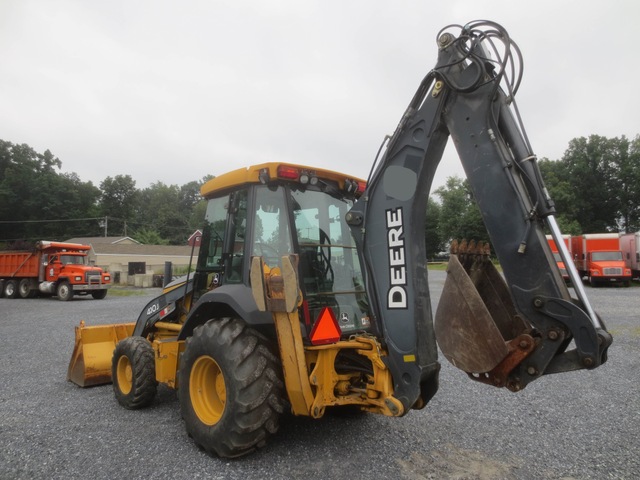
[[582, 425]]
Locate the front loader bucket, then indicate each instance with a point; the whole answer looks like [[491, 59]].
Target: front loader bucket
[[91, 359], [476, 324]]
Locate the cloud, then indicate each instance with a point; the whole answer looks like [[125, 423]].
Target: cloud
[[170, 92]]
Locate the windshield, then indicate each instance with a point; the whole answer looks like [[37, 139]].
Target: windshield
[[329, 264], [73, 259], [606, 256]]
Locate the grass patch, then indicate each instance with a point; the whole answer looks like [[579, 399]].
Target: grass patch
[[125, 292], [440, 266]]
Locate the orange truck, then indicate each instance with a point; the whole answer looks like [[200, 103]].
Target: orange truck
[[598, 256], [51, 268], [556, 254]]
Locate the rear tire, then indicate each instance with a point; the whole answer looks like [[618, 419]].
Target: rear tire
[[64, 291], [133, 372], [24, 289], [11, 289], [230, 388]]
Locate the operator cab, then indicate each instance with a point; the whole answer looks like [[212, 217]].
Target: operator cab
[[275, 210]]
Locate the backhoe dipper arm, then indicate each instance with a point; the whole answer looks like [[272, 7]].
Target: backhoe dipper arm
[[462, 97]]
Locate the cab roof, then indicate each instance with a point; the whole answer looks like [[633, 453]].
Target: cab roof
[[271, 171]]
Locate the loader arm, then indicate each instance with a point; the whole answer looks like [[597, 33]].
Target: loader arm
[[468, 96]]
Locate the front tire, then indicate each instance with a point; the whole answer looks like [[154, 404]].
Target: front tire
[[133, 372], [230, 388], [99, 294], [64, 291]]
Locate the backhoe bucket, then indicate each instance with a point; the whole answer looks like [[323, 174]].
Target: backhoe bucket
[[91, 359], [476, 324]]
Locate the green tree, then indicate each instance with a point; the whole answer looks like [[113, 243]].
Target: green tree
[[160, 208], [460, 217], [37, 202], [147, 236], [119, 201], [198, 203], [591, 170], [196, 217], [433, 241], [627, 162], [563, 194], [596, 185]]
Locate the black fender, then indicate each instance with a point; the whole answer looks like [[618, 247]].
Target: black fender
[[228, 301]]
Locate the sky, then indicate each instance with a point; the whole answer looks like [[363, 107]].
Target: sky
[[168, 91]]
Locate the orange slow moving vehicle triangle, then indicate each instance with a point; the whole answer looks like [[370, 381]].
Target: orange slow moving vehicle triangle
[[326, 329]]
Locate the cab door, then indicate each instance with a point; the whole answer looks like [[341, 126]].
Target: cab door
[[53, 268]]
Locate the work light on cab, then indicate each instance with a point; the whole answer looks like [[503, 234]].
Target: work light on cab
[[288, 173]]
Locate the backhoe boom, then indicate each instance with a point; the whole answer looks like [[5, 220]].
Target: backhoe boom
[[462, 97]]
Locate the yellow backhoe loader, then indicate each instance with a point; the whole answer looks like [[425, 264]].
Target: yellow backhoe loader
[[310, 290]]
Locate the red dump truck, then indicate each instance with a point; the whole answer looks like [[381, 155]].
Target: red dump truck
[[630, 246], [598, 257], [52, 268], [554, 248]]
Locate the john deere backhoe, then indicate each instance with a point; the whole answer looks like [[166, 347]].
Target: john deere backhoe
[[311, 288]]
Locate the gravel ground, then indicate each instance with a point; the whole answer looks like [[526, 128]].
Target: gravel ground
[[582, 425]]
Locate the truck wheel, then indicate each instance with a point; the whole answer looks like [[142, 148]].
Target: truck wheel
[[11, 289], [64, 291], [99, 294], [133, 371], [230, 388], [24, 289]]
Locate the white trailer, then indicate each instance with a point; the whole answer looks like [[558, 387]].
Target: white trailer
[[630, 246]]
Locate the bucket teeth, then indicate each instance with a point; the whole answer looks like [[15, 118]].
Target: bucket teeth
[[453, 249], [471, 247]]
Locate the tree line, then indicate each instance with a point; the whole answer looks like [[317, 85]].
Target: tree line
[[595, 185], [38, 201]]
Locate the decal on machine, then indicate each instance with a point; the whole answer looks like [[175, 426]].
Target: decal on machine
[[153, 309], [397, 294]]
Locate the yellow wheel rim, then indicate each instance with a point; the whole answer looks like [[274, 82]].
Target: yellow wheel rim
[[125, 375], [207, 390]]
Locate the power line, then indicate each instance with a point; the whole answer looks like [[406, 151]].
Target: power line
[[56, 220]]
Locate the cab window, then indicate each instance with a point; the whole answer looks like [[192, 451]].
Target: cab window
[[213, 233], [271, 235]]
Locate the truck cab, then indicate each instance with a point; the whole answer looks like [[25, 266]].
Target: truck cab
[[598, 257], [607, 267], [65, 271]]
